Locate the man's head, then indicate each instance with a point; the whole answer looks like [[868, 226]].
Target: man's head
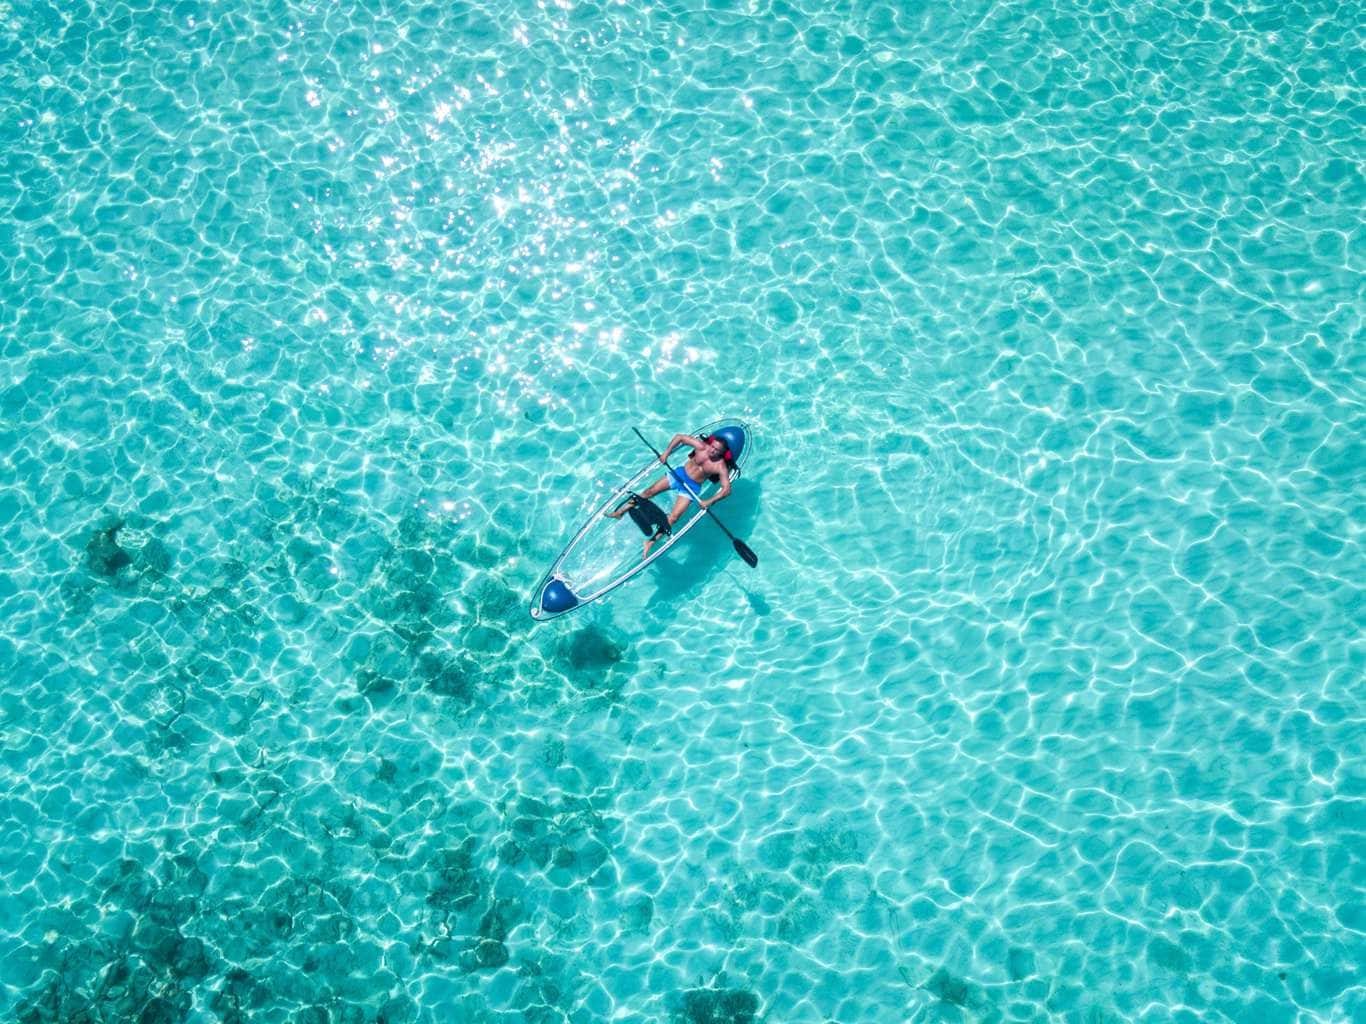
[[717, 449]]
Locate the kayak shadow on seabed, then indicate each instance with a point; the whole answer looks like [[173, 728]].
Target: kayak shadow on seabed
[[696, 560]]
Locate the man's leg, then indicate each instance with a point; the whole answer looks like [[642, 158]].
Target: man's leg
[[662, 484], [675, 514]]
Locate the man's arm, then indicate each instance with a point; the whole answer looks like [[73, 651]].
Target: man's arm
[[679, 439], [722, 493]]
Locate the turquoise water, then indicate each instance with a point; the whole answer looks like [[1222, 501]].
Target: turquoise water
[[322, 326]]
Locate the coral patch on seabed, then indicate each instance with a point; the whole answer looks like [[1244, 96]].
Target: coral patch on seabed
[[715, 1006], [103, 555]]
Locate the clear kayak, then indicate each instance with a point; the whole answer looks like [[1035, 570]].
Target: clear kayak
[[605, 553]]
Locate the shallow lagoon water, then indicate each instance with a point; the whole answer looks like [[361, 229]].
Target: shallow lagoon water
[[323, 325]]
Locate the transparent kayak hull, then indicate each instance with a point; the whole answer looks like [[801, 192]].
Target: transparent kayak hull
[[606, 553]]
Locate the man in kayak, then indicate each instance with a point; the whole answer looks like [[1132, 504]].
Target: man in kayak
[[710, 461]]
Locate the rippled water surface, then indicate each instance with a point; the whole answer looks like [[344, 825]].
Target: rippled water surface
[[322, 326]]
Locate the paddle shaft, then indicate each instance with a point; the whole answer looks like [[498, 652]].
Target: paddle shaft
[[741, 548]]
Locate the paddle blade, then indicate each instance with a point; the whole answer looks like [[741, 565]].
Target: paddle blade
[[751, 559]]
